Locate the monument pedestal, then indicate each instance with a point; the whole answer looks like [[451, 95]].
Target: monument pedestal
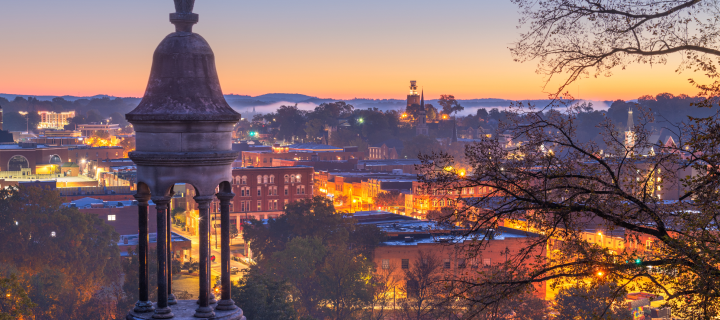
[[185, 310]]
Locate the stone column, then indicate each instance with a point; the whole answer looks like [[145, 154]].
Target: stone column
[[225, 302], [204, 310], [161, 205], [144, 304], [170, 257]]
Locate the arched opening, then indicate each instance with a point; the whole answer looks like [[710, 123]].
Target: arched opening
[[18, 163], [55, 159]]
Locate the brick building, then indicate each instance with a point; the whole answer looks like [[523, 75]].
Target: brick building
[[407, 237], [307, 151], [260, 193]]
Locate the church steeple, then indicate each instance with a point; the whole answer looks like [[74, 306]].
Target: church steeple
[[421, 127]]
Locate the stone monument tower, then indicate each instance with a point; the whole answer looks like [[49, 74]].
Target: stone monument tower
[[183, 131]]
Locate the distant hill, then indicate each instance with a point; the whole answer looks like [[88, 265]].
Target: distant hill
[[268, 102]]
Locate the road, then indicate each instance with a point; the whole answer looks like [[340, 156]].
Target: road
[[191, 283]]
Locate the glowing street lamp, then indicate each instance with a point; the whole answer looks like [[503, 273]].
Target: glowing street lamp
[[360, 120]]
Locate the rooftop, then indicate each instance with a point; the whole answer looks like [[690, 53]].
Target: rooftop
[[88, 203], [133, 240]]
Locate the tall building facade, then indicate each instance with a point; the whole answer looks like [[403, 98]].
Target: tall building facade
[[54, 120], [413, 97]]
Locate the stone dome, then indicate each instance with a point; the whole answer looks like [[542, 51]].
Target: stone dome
[[184, 84]]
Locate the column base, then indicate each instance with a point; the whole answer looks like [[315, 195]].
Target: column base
[[143, 307], [226, 305], [204, 312], [163, 313], [185, 310], [171, 299], [212, 298]]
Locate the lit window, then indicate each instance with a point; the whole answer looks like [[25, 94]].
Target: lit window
[[259, 179], [111, 217], [259, 205], [297, 178], [272, 178], [648, 245], [52, 234], [486, 262], [386, 263]]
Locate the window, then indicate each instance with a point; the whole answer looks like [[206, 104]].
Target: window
[[405, 263], [259, 205], [244, 179], [297, 178], [52, 234], [259, 191], [242, 206], [259, 178], [270, 205], [464, 190], [292, 178], [473, 263], [386, 263], [264, 160], [111, 217], [287, 190], [472, 190], [446, 264], [287, 179], [486, 262], [648, 245], [272, 178], [461, 263], [286, 202]]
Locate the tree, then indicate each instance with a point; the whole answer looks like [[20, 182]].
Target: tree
[[314, 128], [66, 259], [263, 297], [449, 104], [391, 198], [423, 287], [561, 187], [118, 118], [323, 257], [582, 38], [343, 280], [602, 301], [431, 112], [14, 301], [418, 145]]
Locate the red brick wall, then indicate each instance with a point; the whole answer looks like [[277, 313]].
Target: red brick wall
[[495, 251]]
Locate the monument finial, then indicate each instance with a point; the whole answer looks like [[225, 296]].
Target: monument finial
[[184, 18], [184, 6]]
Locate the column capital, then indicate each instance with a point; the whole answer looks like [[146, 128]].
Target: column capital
[[161, 202], [142, 199], [204, 200], [225, 196]]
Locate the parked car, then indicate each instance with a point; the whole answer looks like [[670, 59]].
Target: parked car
[[234, 270]]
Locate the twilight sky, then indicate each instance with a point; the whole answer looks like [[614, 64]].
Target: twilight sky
[[327, 48]]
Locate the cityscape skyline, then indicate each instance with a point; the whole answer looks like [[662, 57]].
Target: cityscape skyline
[[287, 47]]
